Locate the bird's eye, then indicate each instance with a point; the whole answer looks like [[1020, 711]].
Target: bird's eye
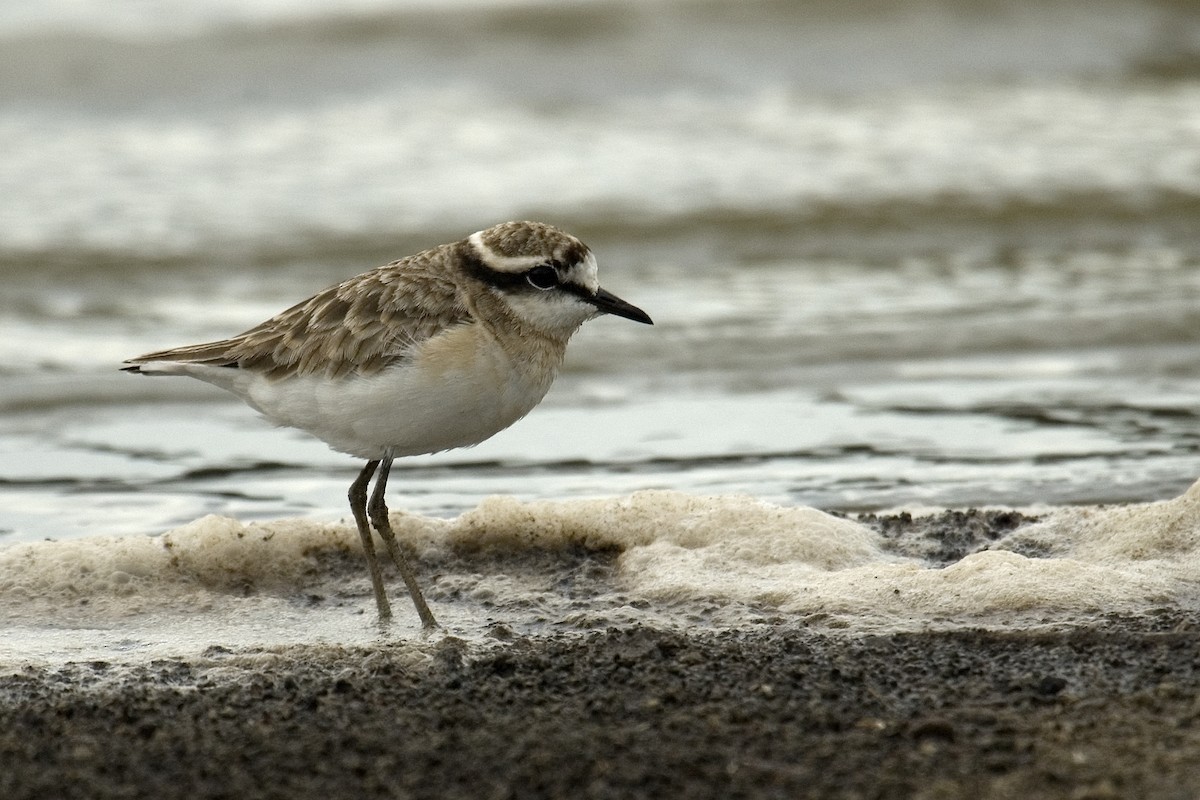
[[543, 277]]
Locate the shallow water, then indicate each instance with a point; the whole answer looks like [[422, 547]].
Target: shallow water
[[899, 256]]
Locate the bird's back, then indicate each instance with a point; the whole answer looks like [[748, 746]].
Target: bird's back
[[359, 326]]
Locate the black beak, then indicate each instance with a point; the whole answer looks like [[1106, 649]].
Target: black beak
[[609, 303]]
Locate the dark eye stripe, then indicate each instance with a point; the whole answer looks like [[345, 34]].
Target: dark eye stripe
[[480, 271], [575, 289], [507, 281]]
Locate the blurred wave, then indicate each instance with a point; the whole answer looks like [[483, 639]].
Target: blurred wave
[[896, 252]]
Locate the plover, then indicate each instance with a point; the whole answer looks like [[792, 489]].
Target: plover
[[438, 350]]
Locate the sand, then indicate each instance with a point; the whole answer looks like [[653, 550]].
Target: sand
[[776, 710]]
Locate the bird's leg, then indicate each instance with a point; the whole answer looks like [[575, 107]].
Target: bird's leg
[[358, 505], [379, 517]]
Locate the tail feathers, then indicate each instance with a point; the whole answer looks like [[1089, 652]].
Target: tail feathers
[[169, 362], [161, 368]]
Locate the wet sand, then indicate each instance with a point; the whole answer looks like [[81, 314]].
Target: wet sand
[[776, 710]]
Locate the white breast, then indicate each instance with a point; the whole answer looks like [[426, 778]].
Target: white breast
[[461, 388]]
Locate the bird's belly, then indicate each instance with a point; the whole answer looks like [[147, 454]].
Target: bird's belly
[[408, 409]]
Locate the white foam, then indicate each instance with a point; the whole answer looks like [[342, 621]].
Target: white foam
[[729, 526], [679, 548], [123, 575], [214, 581], [681, 557]]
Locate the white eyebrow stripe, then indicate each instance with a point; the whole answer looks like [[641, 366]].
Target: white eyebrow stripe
[[586, 272], [502, 263]]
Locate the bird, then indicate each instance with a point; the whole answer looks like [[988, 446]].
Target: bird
[[434, 351]]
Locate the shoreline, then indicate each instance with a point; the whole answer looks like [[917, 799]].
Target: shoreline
[[1106, 710]]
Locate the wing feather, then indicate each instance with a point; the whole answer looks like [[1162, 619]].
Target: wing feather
[[358, 326]]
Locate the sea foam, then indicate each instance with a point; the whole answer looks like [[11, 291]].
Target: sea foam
[[675, 559]]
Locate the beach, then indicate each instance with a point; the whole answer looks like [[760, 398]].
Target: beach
[[773, 710], [596, 690], [1000, 656]]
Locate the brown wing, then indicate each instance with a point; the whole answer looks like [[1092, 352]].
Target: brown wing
[[358, 326]]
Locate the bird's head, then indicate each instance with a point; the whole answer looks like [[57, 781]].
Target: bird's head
[[544, 276]]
